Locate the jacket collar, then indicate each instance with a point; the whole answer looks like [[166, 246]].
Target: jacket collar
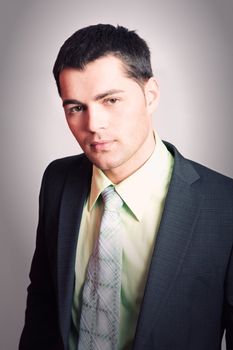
[[181, 210], [75, 192]]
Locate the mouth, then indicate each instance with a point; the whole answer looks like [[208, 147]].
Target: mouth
[[103, 145]]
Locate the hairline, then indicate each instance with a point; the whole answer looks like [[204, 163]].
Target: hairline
[[117, 54]]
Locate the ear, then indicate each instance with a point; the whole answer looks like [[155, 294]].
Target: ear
[[152, 94]]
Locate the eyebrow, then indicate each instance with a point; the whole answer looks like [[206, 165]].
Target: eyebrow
[[71, 102], [96, 98]]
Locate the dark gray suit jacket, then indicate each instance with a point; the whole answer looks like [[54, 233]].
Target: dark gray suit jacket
[[188, 300]]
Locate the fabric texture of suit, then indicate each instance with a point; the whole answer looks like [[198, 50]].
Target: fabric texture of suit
[[188, 300]]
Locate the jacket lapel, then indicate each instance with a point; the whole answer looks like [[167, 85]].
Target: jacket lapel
[[175, 232], [75, 192]]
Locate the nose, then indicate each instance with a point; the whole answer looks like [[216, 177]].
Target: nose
[[96, 119]]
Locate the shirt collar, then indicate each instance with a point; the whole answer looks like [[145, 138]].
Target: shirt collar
[[137, 189], [98, 183]]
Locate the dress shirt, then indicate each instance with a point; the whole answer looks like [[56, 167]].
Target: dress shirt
[[144, 194]]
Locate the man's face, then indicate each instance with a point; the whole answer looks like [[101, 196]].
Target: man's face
[[110, 115]]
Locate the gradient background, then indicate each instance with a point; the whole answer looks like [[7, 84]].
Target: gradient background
[[192, 55]]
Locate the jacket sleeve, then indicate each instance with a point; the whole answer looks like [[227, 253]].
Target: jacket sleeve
[[229, 305], [41, 330]]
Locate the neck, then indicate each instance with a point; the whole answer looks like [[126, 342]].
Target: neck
[[120, 173]]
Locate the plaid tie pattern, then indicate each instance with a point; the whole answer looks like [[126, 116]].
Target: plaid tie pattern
[[100, 314]]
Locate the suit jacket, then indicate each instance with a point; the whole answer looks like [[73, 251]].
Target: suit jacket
[[188, 299]]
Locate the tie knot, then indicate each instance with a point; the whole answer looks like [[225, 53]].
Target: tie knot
[[112, 200]]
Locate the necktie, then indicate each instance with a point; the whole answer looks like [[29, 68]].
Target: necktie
[[100, 314]]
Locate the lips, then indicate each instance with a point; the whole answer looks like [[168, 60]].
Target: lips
[[103, 145]]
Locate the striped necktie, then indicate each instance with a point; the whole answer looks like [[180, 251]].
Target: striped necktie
[[100, 314]]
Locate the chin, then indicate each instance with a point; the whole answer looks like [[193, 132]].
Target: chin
[[104, 166]]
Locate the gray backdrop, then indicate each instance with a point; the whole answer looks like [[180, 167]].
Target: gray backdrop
[[192, 55]]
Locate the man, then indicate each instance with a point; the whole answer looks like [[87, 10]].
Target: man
[[175, 218]]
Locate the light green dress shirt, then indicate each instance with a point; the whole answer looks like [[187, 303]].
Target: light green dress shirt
[[144, 194]]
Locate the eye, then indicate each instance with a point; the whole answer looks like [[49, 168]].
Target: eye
[[75, 109], [111, 101]]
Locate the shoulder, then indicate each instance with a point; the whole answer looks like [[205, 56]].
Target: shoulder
[[211, 176], [58, 170], [208, 181], [65, 164], [216, 186]]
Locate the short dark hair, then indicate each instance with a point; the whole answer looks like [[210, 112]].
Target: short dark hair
[[95, 41]]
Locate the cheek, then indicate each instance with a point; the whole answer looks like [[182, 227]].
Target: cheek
[[75, 129], [135, 118], [74, 124]]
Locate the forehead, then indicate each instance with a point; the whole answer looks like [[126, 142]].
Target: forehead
[[105, 72]]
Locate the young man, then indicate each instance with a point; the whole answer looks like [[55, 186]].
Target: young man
[[171, 285]]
